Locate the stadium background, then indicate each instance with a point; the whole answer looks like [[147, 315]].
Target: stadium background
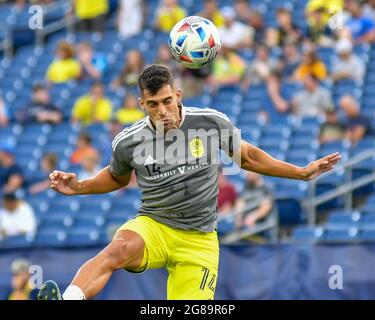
[[70, 231]]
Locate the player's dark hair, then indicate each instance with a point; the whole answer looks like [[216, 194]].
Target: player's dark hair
[[153, 78]]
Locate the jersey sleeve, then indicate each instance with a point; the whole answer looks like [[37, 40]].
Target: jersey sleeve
[[119, 165], [229, 134]]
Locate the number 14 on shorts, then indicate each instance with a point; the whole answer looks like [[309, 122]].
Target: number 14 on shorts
[[208, 280]]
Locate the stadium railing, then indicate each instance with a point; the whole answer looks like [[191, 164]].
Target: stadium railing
[[346, 189], [66, 21]]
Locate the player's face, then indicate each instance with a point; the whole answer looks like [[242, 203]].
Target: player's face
[[163, 107]]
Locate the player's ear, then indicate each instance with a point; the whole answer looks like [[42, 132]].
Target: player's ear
[[141, 104], [179, 95]]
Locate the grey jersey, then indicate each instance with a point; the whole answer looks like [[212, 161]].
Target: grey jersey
[[177, 172]]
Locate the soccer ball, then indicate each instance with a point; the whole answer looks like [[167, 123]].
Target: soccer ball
[[194, 42]]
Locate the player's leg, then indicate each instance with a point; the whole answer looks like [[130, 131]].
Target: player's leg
[[193, 273], [125, 251], [137, 245]]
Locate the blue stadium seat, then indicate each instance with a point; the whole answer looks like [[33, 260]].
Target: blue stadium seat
[[59, 207], [51, 237], [89, 221], [371, 199], [276, 143], [368, 219], [348, 235], [100, 203], [17, 242], [368, 208], [289, 206], [306, 234], [116, 219], [344, 220], [55, 221], [277, 130], [368, 235], [225, 225], [83, 237], [27, 152]]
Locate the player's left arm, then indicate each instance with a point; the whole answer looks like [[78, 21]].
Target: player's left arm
[[255, 159]]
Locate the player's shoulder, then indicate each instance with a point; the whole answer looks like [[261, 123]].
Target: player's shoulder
[[207, 112], [126, 134]]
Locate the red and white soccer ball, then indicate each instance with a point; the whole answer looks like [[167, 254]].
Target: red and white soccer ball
[[194, 42]]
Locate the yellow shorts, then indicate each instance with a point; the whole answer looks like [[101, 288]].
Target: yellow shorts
[[191, 257]]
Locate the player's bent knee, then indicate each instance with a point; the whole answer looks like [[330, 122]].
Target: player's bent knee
[[125, 250]]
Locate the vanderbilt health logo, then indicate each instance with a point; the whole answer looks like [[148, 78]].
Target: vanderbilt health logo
[[196, 147]]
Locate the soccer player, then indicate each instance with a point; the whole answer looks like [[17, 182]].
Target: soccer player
[[176, 224]]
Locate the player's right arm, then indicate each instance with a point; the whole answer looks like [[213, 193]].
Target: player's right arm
[[105, 181]]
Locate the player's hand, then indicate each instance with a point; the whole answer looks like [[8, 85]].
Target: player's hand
[[317, 167], [65, 183]]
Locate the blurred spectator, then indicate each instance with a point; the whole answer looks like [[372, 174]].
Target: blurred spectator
[[3, 114], [356, 125], [93, 65], [40, 109], [93, 107], [256, 22], [243, 10], [359, 26], [194, 80], [234, 35], [168, 14], [165, 58], [16, 217], [19, 6], [318, 30], [84, 149], [254, 193], [11, 174], [130, 112], [328, 8], [22, 288], [369, 9], [289, 62], [227, 195], [91, 14], [260, 68], [331, 129], [281, 104], [89, 167], [133, 66], [130, 17], [347, 65], [212, 12], [286, 31], [313, 100], [47, 164], [115, 128], [64, 67], [228, 69], [311, 65]]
